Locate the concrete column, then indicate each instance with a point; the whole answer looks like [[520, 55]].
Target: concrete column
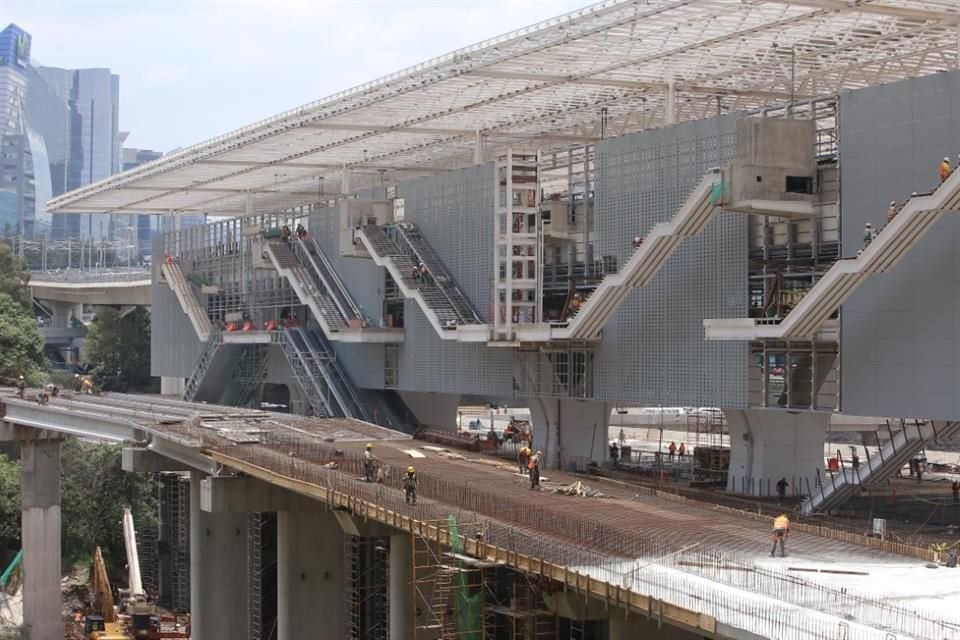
[[768, 445], [40, 532], [345, 186], [565, 429], [434, 409], [310, 576], [62, 312], [478, 148], [401, 587], [171, 386], [670, 104], [218, 570]]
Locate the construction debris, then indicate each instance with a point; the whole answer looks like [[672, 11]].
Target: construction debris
[[578, 489], [331, 465]]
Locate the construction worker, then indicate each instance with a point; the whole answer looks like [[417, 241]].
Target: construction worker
[[614, 453], [869, 233], [944, 169], [368, 460], [21, 387], [410, 486], [782, 485], [523, 458], [892, 211], [534, 468], [781, 527], [672, 449], [77, 383], [682, 451]]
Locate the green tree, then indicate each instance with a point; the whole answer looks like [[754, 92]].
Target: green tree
[[14, 276], [119, 348], [9, 509], [94, 489], [21, 347]]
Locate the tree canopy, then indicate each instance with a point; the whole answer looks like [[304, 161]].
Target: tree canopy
[[21, 346], [9, 509], [94, 489], [14, 276], [119, 349]]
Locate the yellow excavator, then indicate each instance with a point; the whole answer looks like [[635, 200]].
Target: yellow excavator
[[102, 625]]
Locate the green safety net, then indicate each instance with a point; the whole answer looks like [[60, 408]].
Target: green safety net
[[5, 576], [469, 608], [719, 190]]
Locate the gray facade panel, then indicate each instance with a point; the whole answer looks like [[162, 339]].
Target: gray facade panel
[[653, 350], [899, 353], [364, 280], [174, 347]]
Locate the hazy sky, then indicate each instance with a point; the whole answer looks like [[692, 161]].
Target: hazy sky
[[193, 70]]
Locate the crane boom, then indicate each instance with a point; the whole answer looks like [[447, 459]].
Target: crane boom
[[135, 582]]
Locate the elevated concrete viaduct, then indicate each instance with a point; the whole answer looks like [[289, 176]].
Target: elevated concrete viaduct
[[613, 568]]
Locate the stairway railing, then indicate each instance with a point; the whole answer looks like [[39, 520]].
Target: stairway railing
[[202, 366]]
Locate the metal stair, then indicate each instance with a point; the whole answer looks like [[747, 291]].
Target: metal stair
[[647, 260], [918, 215], [329, 391], [249, 372], [903, 445], [173, 274], [325, 276], [399, 249], [203, 365], [322, 305]]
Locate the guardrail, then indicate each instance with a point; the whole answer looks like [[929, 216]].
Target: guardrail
[[96, 275]]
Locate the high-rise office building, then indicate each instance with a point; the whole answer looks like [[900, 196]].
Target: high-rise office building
[[146, 225], [24, 167]]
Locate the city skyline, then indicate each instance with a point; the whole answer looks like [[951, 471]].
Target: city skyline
[[195, 82]]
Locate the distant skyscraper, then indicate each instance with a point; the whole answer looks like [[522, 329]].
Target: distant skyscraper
[[147, 225], [24, 168]]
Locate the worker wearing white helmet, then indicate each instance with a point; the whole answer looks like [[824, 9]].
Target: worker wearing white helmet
[[410, 486], [892, 211], [944, 169], [368, 460]]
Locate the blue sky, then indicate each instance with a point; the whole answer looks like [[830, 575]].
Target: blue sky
[[193, 70]]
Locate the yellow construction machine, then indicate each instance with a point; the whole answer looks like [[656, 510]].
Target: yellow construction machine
[[102, 625]]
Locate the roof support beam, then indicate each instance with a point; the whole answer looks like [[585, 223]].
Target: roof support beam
[[342, 126], [859, 6], [318, 166]]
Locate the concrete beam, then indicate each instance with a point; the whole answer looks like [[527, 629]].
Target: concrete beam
[[63, 420], [242, 494], [361, 527], [144, 461]]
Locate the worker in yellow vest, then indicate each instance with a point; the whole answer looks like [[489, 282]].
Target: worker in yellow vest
[[781, 527]]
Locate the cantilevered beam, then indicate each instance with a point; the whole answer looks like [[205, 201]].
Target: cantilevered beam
[[866, 6]]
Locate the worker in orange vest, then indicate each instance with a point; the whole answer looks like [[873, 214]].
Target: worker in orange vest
[[944, 169]]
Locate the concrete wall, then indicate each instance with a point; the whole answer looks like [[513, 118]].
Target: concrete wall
[[900, 354]]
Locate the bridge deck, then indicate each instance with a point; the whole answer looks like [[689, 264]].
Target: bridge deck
[[688, 553]]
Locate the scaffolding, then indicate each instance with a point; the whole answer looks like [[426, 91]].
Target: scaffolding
[[175, 536], [255, 575], [366, 588], [447, 586], [249, 374], [515, 609]]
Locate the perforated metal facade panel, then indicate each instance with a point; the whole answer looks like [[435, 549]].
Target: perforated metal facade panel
[[174, 346], [900, 347], [364, 280], [653, 350]]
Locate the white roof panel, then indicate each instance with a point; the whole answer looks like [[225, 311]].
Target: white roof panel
[[543, 86]]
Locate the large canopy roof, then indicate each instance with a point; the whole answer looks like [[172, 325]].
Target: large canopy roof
[[623, 65]]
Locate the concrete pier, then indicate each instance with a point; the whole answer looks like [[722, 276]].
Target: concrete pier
[[401, 587], [565, 429], [40, 532], [768, 445], [218, 570], [310, 576]]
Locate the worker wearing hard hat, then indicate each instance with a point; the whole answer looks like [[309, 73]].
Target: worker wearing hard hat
[[368, 460], [21, 387], [77, 383], [781, 527], [523, 457], [944, 169], [410, 486], [534, 468]]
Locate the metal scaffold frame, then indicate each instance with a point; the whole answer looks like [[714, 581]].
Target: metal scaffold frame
[[442, 584], [367, 579]]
